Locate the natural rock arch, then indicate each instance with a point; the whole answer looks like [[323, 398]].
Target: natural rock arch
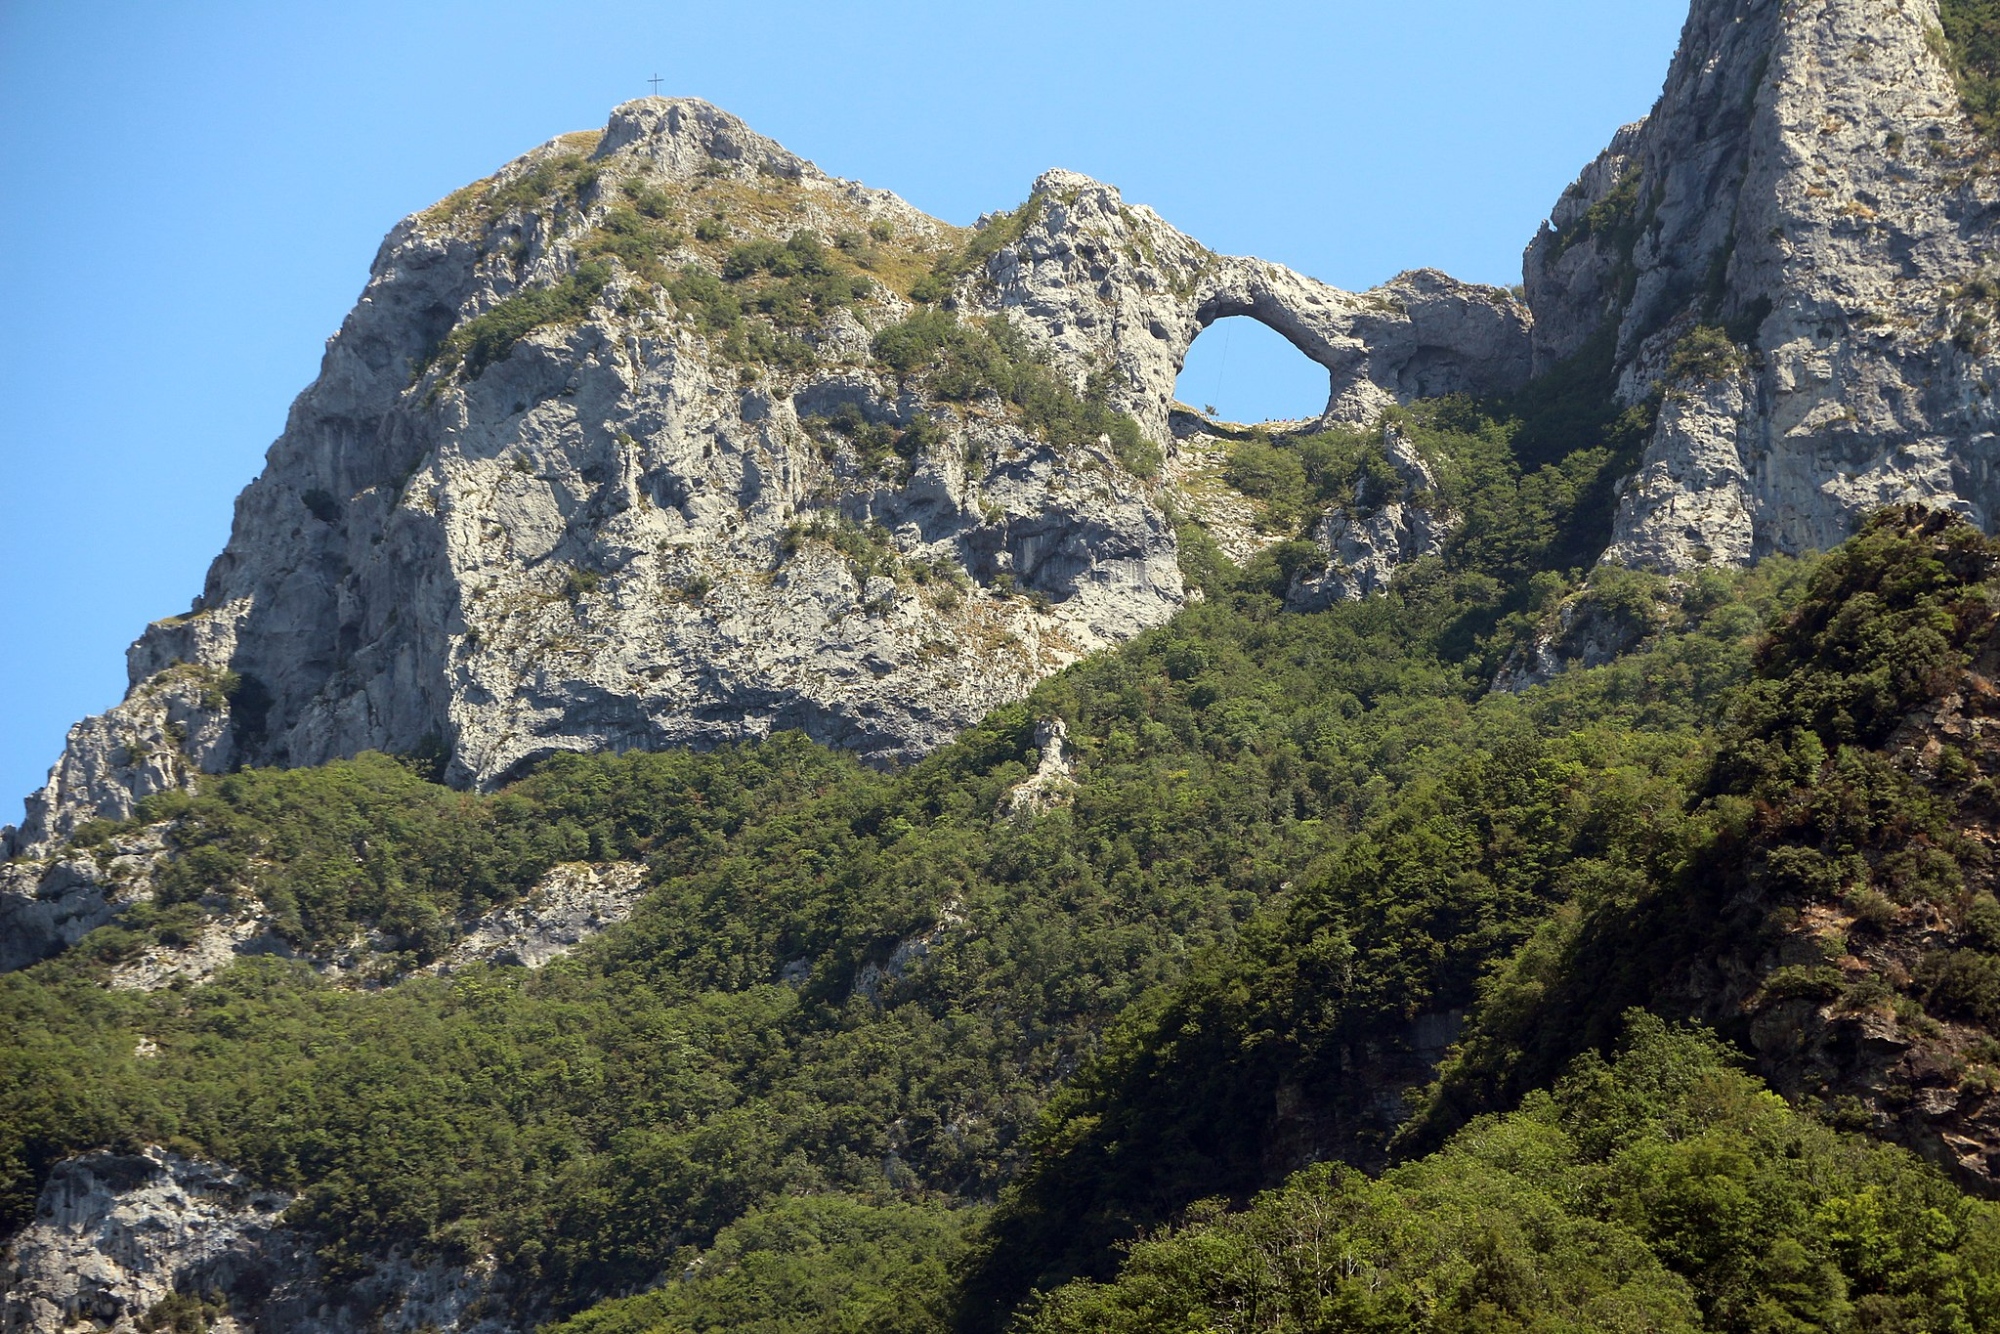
[[1103, 283], [1241, 370]]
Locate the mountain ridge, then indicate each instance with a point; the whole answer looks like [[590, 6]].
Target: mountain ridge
[[1451, 740], [638, 442]]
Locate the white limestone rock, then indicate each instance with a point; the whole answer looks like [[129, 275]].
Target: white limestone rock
[[1107, 286], [47, 905], [171, 726], [1585, 633], [116, 1234], [1054, 777], [1809, 180], [572, 903], [1365, 540], [569, 905], [1691, 503], [616, 536]]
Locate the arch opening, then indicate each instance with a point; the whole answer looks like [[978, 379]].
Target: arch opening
[[1241, 371]]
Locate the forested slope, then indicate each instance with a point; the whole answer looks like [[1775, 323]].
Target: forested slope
[[1406, 886], [862, 988]]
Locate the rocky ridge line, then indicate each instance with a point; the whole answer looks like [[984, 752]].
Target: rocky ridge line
[[1793, 253], [633, 528]]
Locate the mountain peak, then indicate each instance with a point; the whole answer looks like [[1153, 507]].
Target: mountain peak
[[680, 137]]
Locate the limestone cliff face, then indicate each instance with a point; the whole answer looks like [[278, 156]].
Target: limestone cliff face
[[1808, 189], [579, 474], [1103, 284], [120, 1240]]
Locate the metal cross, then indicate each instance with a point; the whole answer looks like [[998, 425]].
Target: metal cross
[[655, 81]]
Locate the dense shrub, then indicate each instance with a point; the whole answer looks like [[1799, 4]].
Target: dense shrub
[[1662, 1191], [811, 1265], [1972, 31], [960, 362], [485, 339]]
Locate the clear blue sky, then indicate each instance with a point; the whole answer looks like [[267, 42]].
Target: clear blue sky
[[194, 191]]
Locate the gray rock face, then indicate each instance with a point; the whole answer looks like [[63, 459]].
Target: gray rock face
[[1808, 182], [1366, 540], [47, 906], [1052, 781], [115, 1235], [572, 903], [1585, 633], [171, 726], [1109, 286], [626, 529]]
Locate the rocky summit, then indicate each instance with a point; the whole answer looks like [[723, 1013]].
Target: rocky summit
[[746, 761], [596, 461], [1793, 250], [608, 456]]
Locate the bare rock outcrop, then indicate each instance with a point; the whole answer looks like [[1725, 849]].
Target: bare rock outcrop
[[573, 902], [121, 1238], [1110, 286], [1053, 779], [1367, 538], [566, 482], [48, 905], [1809, 192]]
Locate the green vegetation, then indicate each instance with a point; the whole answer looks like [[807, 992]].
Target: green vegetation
[[1706, 353], [485, 339], [768, 292], [871, 1054], [1972, 34], [558, 182], [960, 363], [791, 286], [1642, 877], [718, 309], [719, 1052], [1616, 219], [1529, 478], [1799, 804], [1299, 478], [182, 1313], [999, 233], [1490, 821], [803, 1266], [877, 443], [370, 843], [810, 286], [1519, 515], [1663, 1191], [854, 1005], [638, 237], [871, 552], [1289, 835]]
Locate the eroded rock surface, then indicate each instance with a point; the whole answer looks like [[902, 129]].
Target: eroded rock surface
[[571, 904], [631, 527], [1104, 284], [568, 906], [1807, 187], [1052, 781], [46, 906], [117, 1235], [1366, 539]]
